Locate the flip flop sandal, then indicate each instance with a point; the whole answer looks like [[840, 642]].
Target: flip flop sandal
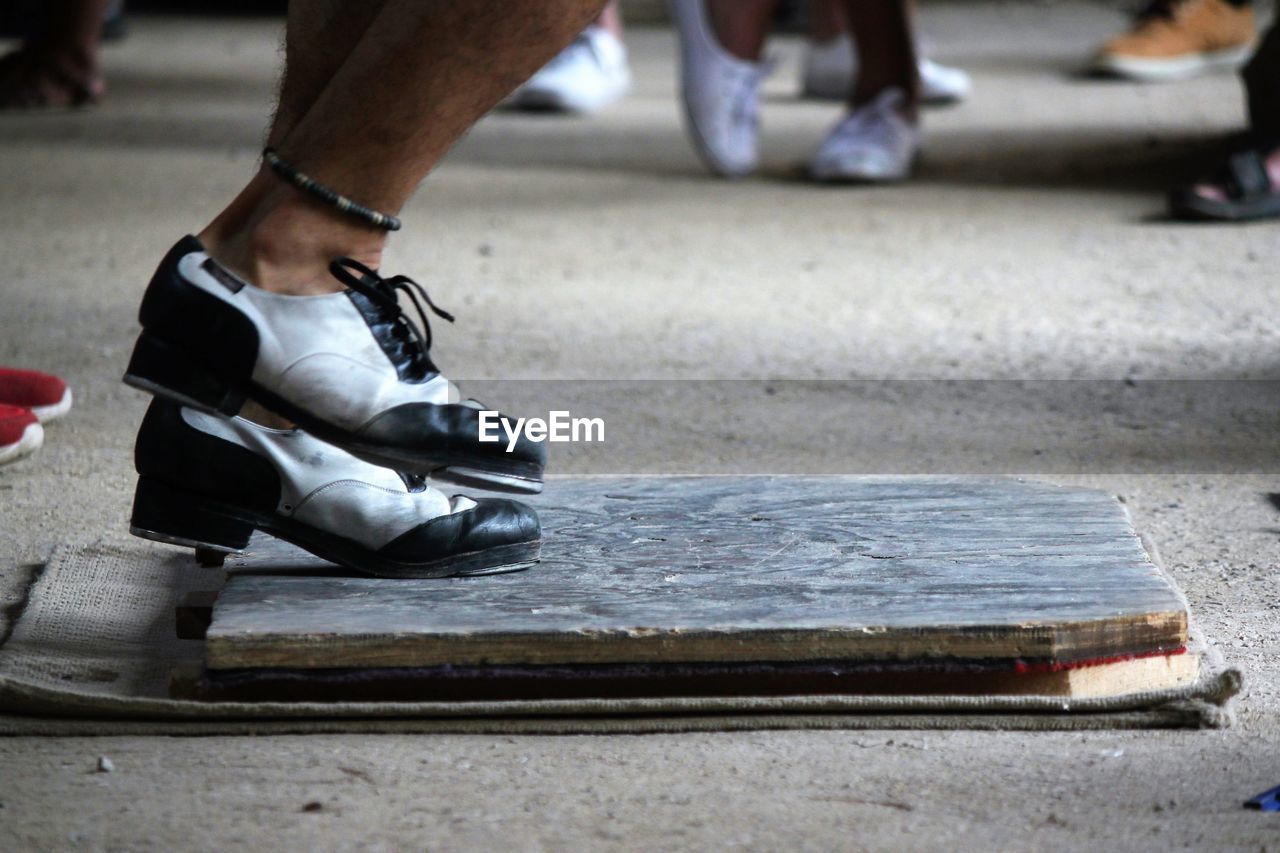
[[1250, 193]]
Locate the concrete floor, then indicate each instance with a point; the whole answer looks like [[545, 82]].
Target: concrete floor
[[1031, 246]]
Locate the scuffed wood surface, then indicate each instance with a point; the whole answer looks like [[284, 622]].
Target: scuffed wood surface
[[738, 569]]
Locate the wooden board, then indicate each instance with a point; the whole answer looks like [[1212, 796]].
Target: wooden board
[[618, 681], [740, 569]]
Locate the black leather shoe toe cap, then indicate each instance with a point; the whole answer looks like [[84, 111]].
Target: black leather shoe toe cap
[[452, 433], [491, 523]]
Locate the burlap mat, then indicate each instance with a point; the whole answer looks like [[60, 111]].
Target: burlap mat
[[91, 651]]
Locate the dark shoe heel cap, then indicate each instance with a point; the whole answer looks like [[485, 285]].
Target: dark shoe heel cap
[[164, 370], [202, 329], [166, 514]]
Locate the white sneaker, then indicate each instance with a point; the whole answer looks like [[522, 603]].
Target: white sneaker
[[942, 84], [721, 94], [830, 69], [873, 143], [587, 76]]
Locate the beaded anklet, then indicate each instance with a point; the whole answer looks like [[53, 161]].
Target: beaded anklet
[[327, 195]]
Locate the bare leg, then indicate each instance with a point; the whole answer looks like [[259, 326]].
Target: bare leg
[[319, 37], [417, 78], [741, 26], [60, 67], [882, 32], [610, 18], [826, 21]]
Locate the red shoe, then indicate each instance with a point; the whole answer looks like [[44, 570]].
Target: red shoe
[[47, 397], [20, 432]]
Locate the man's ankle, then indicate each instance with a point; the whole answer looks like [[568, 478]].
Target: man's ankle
[[288, 249]]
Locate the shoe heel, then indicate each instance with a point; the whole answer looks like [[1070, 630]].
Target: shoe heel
[[166, 514], [166, 371]]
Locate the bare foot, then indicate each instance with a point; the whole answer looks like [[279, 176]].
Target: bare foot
[[35, 76], [1218, 192]]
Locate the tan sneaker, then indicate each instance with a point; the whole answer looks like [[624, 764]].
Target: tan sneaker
[[1181, 38]]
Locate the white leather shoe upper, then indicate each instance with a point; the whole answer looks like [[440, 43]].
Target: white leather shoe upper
[[329, 489], [315, 351]]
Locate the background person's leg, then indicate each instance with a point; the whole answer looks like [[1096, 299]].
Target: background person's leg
[[882, 32], [416, 79], [741, 26], [826, 21], [1262, 87], [1247, 186], [610, 18], [720, 77], [59, 67], [831, 62], [879, 139]]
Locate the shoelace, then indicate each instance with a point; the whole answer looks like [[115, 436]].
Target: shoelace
[[745, 93], [872, 123], [383, 292]]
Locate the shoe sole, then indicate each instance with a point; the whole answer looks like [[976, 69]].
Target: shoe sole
[[159, 369], [164, 514], [1177, 68], [31, 441], [54, 410], [856, 178]]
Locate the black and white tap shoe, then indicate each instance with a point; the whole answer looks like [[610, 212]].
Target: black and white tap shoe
[[209, 482], [350, 368]]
